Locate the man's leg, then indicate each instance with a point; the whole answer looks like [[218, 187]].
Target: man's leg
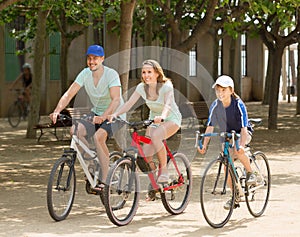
[[100, 138]]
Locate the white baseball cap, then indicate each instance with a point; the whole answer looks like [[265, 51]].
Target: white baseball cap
[[224, 81]]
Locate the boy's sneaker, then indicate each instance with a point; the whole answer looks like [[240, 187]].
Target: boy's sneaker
[[251, 178], [228, 205]]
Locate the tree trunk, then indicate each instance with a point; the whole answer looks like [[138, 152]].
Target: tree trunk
[[127, 9], [268, 80], [298, 82], [64, 49], [276, 60], [38, 73], [148, 28]]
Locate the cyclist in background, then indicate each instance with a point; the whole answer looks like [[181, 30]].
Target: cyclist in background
[[229, 112], [26, 79]]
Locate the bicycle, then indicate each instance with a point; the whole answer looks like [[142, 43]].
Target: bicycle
[[62, 180], [214, 187], [122, 190], [18, 110]]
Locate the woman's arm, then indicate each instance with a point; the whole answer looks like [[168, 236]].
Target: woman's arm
[[169, 98], [127, 106]]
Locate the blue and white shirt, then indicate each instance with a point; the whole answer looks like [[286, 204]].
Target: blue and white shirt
[[234, 117]]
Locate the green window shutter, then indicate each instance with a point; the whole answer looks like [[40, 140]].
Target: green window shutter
[[55, 56], [11, 59]]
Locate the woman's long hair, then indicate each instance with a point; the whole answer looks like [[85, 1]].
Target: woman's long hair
[[161, 76]]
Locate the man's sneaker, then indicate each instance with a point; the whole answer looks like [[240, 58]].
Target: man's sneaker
[[251, 178], [228, 205]]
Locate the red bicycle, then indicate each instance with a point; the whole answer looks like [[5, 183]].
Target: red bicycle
[[122, 191]]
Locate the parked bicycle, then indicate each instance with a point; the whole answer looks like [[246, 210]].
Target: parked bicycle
[[18, 110], [215, 190], [123, 185], [62, 181]]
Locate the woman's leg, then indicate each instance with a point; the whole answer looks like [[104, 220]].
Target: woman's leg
[[164, 131]]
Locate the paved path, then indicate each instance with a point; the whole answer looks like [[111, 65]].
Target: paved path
[[25, 166]]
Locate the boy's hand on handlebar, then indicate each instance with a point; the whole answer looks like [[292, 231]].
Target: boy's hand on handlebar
[[202, 151]]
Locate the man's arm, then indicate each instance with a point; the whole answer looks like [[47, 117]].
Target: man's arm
[[65, 100]]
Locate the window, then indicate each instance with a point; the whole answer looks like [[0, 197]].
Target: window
[[54, 51], [12, 66], [243, 55], [193, 62]]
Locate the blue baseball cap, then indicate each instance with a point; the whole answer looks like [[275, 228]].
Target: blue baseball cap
[[96, 50]]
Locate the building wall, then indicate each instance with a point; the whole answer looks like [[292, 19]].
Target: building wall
[[51, 93], [2, 72], [255, 67]]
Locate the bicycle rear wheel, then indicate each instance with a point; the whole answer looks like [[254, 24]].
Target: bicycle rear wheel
[[15, 114], [122, 191], [61, 189], [257, 196], [176, 199], [214, 193]]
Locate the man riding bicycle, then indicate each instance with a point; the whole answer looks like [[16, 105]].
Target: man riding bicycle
[[103, 87]]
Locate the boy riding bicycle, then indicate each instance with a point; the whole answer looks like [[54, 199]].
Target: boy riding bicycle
[[228, 112]]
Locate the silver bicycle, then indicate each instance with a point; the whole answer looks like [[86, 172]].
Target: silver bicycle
[[62, 181]]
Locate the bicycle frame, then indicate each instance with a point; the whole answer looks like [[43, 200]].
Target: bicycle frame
[[136, 143], [75, 142], [225, 155]]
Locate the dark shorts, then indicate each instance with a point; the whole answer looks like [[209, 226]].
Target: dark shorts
[[91, 128]]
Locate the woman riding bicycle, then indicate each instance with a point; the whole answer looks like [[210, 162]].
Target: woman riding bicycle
[[229, 113], [26, 79], [158, 93]]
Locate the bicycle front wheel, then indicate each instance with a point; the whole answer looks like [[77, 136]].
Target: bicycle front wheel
[[15, 114], [257, 195], [176, 196], [113, 157], [214, 193], [61, 189], [122, 191]]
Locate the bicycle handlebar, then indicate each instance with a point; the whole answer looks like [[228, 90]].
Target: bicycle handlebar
[[135, 125], [230, 135]]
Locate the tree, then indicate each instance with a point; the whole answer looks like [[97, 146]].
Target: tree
[[278, 25], [39, 44], [127, 9], [6, 3], [71, 19]]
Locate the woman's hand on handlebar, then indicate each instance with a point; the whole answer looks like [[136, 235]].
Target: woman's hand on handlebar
[[111, 117], [158, 119]]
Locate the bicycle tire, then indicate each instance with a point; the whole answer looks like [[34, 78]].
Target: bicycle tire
[[257, 196], [176, 200], [213, 196], [122, 191], [15, 114], [113, 157], [60, 194]]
